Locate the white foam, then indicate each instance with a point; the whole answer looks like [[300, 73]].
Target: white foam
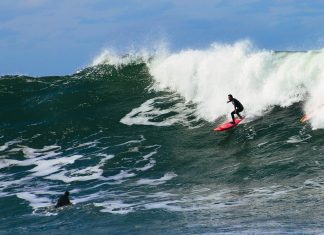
[[138, 115], [160, 195], [166, 205], [130, 142], [298, 139], [87, 198], [192, 202], [147, 156], [148, 112], [168, 176], [14, 183], [44, 165], [120, 176], [49, 166], [115, 207], [85, 174], [263, 143], [7, 144], [87, 145], [32, 153], [150, 164], [34, 200], [315, 183], [11, 162], [281, 160], [266, 193], [147, 166], [107, 156], [48, 163]]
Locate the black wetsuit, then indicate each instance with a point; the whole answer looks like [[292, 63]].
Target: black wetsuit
[[63, 201], [238, 108]]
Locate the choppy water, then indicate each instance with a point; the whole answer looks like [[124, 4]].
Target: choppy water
[[137, 152]]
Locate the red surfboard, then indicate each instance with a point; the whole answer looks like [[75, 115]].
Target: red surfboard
[[227, 125]]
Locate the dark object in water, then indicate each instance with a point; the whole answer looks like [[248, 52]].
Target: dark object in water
[[63, 200]]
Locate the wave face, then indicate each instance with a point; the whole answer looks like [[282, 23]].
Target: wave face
[[131, 139]]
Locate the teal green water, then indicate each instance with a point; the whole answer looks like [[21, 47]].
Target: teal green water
[[168, 173]]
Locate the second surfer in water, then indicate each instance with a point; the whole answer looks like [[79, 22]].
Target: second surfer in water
[[238, 107]]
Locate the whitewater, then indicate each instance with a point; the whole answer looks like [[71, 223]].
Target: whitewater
[[262, 79], [131, 137]]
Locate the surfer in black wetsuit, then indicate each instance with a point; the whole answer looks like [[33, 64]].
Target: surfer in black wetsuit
[[238, 107], [63, 200]]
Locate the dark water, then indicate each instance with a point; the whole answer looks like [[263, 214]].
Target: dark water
[[168, 173]]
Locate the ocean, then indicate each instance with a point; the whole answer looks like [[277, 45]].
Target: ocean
[[131, 137]]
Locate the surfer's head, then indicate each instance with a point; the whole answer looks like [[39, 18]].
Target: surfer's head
[[67, 193], [230, 97]]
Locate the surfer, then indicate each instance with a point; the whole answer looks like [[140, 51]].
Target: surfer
[[63, 200], [238, 107]]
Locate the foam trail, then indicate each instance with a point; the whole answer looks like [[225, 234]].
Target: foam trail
[[260, 79]]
